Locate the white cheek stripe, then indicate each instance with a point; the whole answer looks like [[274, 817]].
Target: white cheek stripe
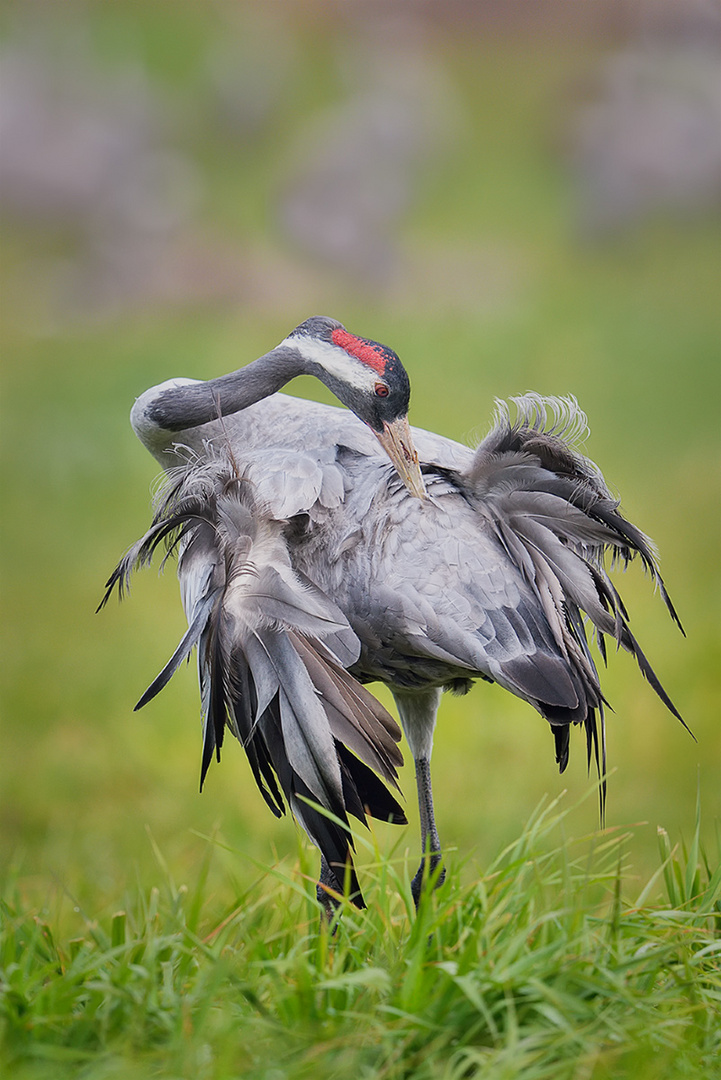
[[334, 360]]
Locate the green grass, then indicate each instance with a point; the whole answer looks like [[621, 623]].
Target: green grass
[[584, 958], [539, 969]]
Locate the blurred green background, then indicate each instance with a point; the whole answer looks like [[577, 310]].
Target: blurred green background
[[513, 196]]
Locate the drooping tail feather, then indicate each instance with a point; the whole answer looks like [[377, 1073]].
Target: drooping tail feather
[[272, 656]]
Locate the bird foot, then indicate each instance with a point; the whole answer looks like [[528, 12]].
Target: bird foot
[[328, 903], [328, 884], [429, 867]]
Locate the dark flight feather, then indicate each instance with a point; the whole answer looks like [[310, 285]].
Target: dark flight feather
[[272, 650], [557, 521]]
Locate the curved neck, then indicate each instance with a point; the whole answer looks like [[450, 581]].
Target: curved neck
[[200, 403]]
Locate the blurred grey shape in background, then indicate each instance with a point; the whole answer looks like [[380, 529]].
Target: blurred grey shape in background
[[649, 141], [357, 166], [108, 172], [87, 162]]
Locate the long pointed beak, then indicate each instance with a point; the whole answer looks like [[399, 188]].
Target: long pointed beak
[[396, 440]]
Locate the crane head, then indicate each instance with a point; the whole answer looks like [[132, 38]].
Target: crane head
[[370, 380]]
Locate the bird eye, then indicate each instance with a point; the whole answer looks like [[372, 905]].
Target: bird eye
[[381, 390]]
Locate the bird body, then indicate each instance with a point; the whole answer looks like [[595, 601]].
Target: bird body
[[319, 550], [389, 561]]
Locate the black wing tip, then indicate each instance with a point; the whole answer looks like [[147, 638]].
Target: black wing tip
[[672, 610], [562, 743], [148, 696], [115, 579], [652, 678]]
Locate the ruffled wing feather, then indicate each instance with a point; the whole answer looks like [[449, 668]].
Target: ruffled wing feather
[[552, 512], [272, 653]]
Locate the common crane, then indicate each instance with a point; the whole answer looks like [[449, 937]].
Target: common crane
[[320, 549]]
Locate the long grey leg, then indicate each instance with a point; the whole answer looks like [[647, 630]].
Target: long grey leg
[[430, 842], [417, 711]]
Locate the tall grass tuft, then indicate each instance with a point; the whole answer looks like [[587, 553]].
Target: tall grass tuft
[[544, 968]]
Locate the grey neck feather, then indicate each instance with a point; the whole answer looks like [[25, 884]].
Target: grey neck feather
[[190, 406]]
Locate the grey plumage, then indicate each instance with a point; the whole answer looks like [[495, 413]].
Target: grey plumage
[[308, 567], [557, 521], [272, 652]]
